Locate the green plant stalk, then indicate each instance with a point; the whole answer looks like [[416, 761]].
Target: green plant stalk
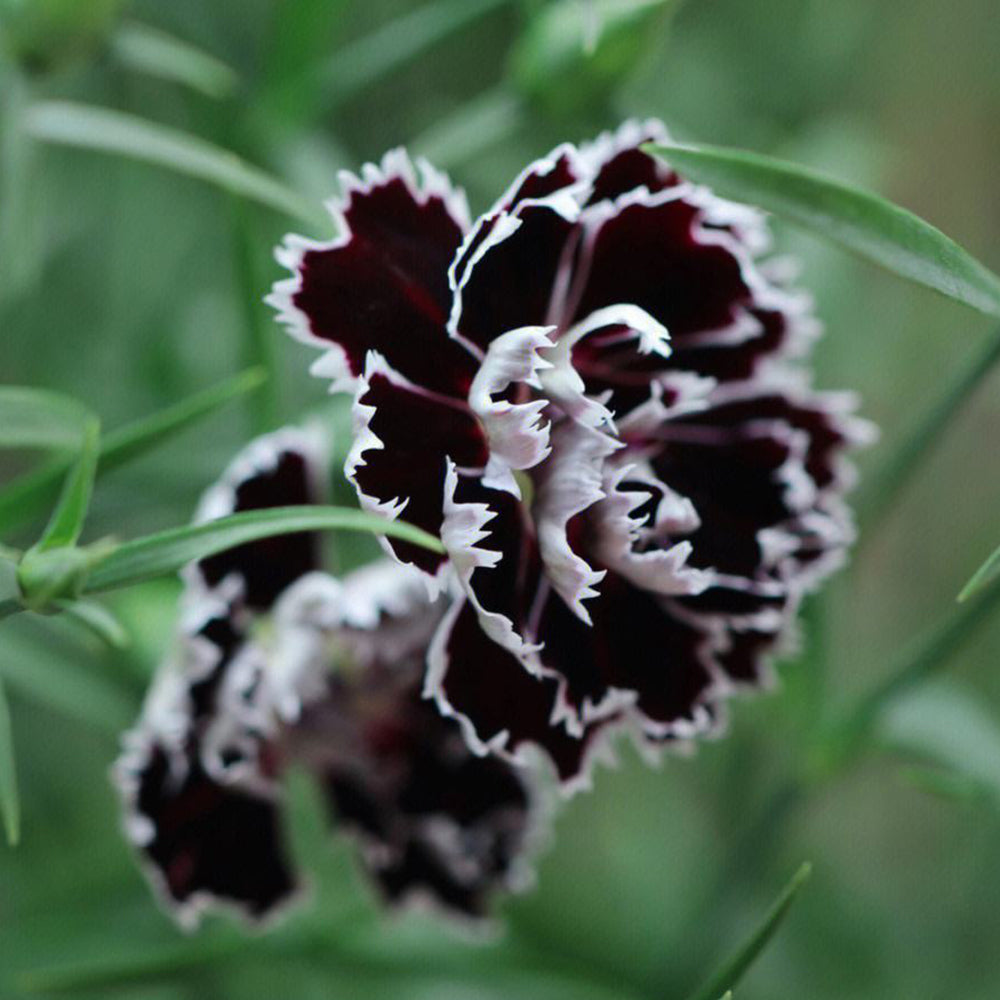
[[25, 496], [886, 484], [258, 339], [927, 655]]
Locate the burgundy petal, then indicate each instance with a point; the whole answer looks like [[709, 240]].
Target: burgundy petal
[[278, 470], [514, 277], [383, 284], [620, 166], [405, 438], [638, 652], [502, 708], [208, 842]]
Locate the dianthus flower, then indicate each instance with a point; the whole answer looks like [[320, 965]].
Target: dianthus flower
[[589, 394], [281, 664]]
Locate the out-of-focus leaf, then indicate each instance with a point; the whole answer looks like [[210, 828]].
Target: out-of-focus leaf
[[106, 975], [561, 63], [943, 724], [732, 971], [21, 499], [945, 784], [85, 127], [158, 54], [259, 342], [36, 418], [400, 41], [10, 802], [886, 482], [864, 223], [50, 672], [474, 127], [983, 576], [44, 34], [923, 658], [96, 619], [168, 551]]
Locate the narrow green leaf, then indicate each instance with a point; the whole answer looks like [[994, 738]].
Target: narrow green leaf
[[67, 519], [10, 803], [158, 54], [36, 418], [403, 39], [107, 131], [168, 551], [889, 480], [97, 620], [983, 576], [21, 499], [861, 221], [733, 970]]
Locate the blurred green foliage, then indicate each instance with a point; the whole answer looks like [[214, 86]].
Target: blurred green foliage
[[129, 287]]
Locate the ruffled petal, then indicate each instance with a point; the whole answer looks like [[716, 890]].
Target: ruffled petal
[[662, 253], [404, 439], [282, 469], [514, 274], [501, 707], [383, 284], [517, 433], [638, 657], [207, 824]]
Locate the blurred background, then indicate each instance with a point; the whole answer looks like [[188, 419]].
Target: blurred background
[[130, 285]]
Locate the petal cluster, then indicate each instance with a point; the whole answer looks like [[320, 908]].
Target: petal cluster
[[279, 664], [593, 394]]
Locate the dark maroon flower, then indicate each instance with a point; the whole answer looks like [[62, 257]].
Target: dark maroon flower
[[589, 394], [279, 663]]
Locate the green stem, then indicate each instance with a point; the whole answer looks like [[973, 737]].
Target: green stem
[[886, 485], [920, 661], [258, 340]]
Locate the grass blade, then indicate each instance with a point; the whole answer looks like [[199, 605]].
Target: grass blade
[[36, 418], [928, 654], [402, 40], [158, 54], [21, 499], [67, 519], [862, 222], [10, 802], [891, 478], [733, 970], [101, 129], [168, 551]]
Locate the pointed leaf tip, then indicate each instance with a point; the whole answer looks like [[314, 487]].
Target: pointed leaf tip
[[860, 221], [732, 971]]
